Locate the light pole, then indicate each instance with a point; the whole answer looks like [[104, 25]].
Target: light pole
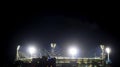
[[108, 50], [53, 46], [103, 49], [17, 54]]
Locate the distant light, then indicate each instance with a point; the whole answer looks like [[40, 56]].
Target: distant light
[[32, 50], [53, 45], [73, 51], [102, 47], [108, 50], [18, 47]]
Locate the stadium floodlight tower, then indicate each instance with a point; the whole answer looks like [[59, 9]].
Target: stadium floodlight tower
[[32, 50], [53, 45], [108, 50]]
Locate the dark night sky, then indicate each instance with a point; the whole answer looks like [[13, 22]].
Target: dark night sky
[[87, 28]]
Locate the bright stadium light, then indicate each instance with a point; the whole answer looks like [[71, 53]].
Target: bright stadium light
[[73, 51], [108, 50], [32, 50]]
